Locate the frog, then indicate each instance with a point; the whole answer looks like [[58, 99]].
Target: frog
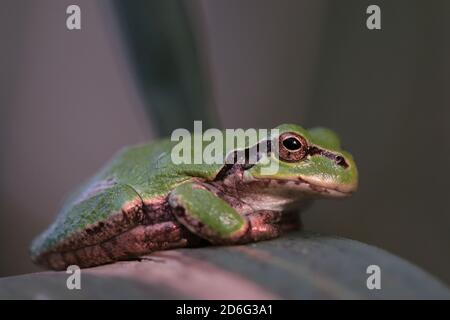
[[141, 201]]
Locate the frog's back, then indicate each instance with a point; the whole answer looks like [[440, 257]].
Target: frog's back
[[130, 188], [130, 192], [147, 168]]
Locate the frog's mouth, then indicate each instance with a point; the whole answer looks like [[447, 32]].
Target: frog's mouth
[[238, 177], [297, 185]]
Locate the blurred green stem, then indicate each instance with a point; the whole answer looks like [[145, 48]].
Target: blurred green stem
[[167, 63]]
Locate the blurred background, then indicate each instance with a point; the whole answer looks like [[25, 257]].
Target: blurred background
[[70, 99]]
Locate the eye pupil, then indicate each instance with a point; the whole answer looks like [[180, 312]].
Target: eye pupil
[[292, 144]]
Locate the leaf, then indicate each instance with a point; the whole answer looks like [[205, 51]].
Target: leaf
[[296, 266]]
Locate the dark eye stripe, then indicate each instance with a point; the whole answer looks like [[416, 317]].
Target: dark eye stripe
[[339, 160], [232, 166]]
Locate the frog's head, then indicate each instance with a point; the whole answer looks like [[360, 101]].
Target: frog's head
[[309, 161]]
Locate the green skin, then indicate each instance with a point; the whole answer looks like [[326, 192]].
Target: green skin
[[142, 202]]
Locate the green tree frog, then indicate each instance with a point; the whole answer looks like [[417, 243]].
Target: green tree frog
[[142, 202]]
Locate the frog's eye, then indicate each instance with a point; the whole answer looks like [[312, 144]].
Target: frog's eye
[[292, 147]]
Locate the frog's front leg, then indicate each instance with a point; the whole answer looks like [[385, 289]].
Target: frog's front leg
[[263, 225], [213, 219]]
